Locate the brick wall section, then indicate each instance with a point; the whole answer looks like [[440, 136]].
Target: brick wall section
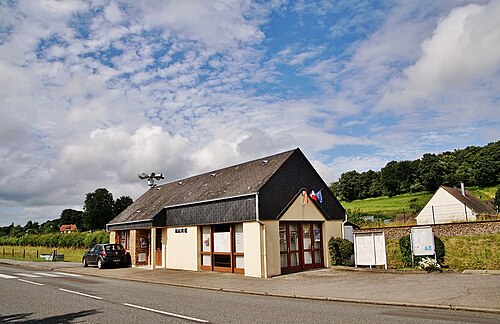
[[112, 237], [144, 234], [453, 229]]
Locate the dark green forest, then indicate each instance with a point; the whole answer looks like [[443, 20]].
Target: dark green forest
[[99, 208], [474, 165]]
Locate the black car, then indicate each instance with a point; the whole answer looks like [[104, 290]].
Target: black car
[[106, 254]]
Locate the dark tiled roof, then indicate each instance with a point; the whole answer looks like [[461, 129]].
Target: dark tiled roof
[[237, 180], [471, 201]]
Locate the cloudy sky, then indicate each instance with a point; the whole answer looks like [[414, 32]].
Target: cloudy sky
[[94, 92]]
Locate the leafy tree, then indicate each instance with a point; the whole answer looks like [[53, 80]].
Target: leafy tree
[[50, 226], [487, 165], [98, 209], [31, 228], [431, 172], [122, 203], [71, 216], [348, 186], [389, 179]]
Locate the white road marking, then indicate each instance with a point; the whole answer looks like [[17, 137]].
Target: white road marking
[[31, 282], [27, 275], [79, 293], [167, 313], [68, 274], [4, 276], [47, 274]]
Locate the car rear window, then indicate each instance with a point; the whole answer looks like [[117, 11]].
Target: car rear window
[[113, 247]]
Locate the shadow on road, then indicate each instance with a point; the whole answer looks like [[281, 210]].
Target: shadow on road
[[66, 318]]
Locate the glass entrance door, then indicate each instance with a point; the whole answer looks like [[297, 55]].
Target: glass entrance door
[[301, 246], [290, 247]]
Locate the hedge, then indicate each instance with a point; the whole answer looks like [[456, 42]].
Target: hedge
[[340, 251], [66, 240]]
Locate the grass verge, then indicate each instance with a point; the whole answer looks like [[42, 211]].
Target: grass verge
[[29, 253], [478, 252]]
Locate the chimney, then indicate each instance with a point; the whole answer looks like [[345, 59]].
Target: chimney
[[462, 187]]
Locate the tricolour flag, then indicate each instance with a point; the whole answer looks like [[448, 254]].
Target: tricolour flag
[[313, 196], [305, 197], [319, 196]]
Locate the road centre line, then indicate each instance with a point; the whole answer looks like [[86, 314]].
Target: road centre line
[[4, 276], [167, 313], [31, 282], [28, 275], [47, 274], [79, 293], [68, 274]]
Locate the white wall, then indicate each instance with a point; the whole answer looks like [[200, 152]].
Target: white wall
[[446, 209], [182, 248], [252, 249]]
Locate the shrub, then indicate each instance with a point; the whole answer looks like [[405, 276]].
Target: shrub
[[405, 247], [340, 251]]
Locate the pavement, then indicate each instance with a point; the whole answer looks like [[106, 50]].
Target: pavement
[[470, 290]]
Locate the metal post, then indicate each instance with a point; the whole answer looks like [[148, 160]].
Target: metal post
[[433, 217], [12, 252], [465, 208], [37, 254], [24, 253]]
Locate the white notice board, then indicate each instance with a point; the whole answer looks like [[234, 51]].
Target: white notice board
[[222, 242], [422, 241], [369, 249]]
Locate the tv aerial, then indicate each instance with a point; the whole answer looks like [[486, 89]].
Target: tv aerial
[[151, 178]]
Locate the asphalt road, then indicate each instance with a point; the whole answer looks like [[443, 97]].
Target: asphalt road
[[41, 296]]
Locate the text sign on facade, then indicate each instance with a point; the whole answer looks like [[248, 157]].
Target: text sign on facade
[[422, 241], [181, 230], [369, 249]]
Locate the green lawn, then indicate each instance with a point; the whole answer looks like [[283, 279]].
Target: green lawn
[[389, 206]]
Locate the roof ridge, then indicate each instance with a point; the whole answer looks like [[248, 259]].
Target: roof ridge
[[230, 166]]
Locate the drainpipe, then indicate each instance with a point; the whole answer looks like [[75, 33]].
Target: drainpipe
[[265, 249], [264, 232], [343, 224]]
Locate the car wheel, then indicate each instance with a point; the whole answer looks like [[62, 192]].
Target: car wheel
[[85, 264], [99, 264]]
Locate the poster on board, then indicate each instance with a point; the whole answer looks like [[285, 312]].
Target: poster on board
[[369, 249], [422, 241]]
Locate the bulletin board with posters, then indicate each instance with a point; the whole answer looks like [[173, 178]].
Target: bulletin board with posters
[[422, 242], [369, 249]]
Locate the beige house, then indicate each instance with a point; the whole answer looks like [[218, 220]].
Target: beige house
[[256, 218], [449, 205]]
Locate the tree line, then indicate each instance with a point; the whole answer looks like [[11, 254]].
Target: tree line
[[99, 208], [474, 165]]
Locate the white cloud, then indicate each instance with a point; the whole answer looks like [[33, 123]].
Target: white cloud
[[461, 55]]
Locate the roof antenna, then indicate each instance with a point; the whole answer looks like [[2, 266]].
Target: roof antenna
[[151, 178]]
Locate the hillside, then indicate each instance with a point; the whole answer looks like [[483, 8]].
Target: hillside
[[404, 205]]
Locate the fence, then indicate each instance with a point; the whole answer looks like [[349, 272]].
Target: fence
[[30, 254]]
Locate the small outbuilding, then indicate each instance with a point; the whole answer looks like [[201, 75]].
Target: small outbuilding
[[261, 218], [67, 228], [449, 205]]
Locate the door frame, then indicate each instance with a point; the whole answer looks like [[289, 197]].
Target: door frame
[[301, 249]]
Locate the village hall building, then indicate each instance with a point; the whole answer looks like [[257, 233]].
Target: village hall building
[[258, 218]]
